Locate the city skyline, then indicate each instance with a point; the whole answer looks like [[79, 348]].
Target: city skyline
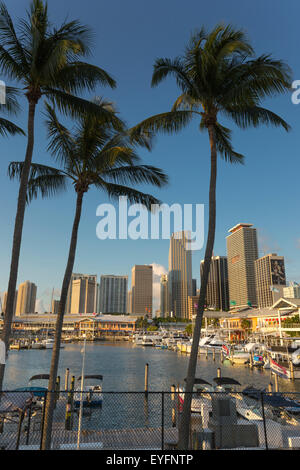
[[43, 251]]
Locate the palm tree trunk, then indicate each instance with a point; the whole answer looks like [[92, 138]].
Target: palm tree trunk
[[46, 442], [186, 413], [17, 238]]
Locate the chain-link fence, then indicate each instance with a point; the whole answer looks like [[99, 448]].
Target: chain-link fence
[[137, 421]]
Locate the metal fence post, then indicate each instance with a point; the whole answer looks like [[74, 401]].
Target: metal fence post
[[264, 419], [162, 420], [28, 424]]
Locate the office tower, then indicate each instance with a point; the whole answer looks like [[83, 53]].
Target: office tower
[[26, 298], [113, 294], [241, 254], [129, 302], [164, 296], [55, 307], [180, 274], [75, 276], [292, 291], [141, 288], [192, 306], [270, 279], [217, 293], [194, 287], [5, 301], [83, 295]]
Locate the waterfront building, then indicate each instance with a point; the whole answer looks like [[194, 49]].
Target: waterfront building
[[142, 290], [217, 292], [26, 298], [113, 294], [164, 296], [292, 291], [75, 276], [270, 279], [77, 324], [242, 251], [180, 274], [83, 298]]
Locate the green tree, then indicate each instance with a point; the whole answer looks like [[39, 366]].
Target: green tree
[[218, 75], [92, 154], [45, 61]]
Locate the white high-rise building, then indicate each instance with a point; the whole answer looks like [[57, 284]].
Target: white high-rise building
[[26, 298], [75, 276]]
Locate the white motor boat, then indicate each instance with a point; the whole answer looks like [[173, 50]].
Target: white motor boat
[[91, 396], [48, 343]]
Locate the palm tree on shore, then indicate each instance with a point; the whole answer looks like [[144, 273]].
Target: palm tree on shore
[[45, 61], [93, 154], [218, 76]]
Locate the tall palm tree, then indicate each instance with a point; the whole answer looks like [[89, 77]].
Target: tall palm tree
[[218, 76], [93, 154], [45, 61]]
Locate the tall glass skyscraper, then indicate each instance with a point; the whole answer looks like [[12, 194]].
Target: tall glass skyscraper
[[113, 294], [180, 274]]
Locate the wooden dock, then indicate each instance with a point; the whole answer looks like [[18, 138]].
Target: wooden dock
[[120, 439]]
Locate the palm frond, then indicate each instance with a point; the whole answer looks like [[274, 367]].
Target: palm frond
[[168, 123], [254, 116], [224, 146], [135, 197], [137, 174], [43, 180]]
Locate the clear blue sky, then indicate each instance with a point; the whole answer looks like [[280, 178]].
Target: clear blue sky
[[128, 37]]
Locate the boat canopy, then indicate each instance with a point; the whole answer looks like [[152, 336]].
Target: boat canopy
[[226, 381], [199, 381], [40, 377], [97, 377]]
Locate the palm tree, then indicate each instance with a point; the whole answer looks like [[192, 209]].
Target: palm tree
[[45, 61], [218, 76], [93, 154]]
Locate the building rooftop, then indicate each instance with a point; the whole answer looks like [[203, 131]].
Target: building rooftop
[[239, 226]]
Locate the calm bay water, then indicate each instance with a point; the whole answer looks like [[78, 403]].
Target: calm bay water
[[123, 364]]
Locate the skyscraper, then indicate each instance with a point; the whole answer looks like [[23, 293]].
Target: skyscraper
[[292, 291], [242, 252], [270, 279], [180, 274], [164, 296], [83, 295], [217, 293], [194, 287], [113, 294], [26, 298], [5, 300], [75, 276], [141, 289]]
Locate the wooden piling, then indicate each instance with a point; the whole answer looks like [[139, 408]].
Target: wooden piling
[[206, 353], [270, 387], [69, 406], [67, 374], [251, 360], [214, 354], [221, 356], [146, 379], [292, 370], [219, 372], [276, 383]]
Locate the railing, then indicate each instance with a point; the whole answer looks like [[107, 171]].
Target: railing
[[135, 421]]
